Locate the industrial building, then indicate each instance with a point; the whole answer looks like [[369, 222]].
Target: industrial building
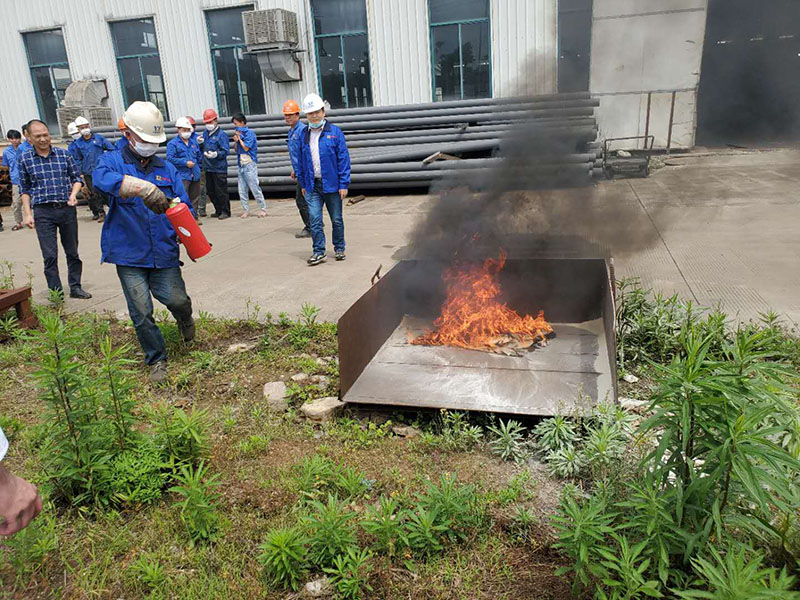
[[641, 58]]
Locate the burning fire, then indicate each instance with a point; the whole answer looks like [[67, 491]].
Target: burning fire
[[472, 317]]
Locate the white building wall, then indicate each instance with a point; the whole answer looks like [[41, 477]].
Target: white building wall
[[641, 47], [524, 47], [523, 54], [400, 51]]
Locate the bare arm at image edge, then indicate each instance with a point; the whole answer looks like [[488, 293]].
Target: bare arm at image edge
[[19, 500]]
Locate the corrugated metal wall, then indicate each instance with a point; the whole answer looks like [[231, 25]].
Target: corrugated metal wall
[[523, 49], [400, 51]]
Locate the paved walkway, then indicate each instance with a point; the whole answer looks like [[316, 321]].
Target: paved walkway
[[723, 230]]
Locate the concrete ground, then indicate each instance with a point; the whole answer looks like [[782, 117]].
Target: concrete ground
[[723, 225]]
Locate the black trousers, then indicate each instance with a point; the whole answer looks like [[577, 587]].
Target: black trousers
[[96, 197], [217, 190], [52, 219], [302, 205]]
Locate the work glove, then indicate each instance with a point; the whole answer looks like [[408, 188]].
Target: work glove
[[153, 198], [210, 154]]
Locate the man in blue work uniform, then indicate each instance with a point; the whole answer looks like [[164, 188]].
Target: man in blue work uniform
[[123, 141], [247, 159], [89, 147], [200, 205], [26, 142], [291, 115], [215, 145], [323, 171], [10, 160], [49, 182], [72, 131], [138, 237], [184, 153]]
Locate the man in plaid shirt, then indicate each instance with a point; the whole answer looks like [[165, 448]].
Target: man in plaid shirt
[[49, 182]]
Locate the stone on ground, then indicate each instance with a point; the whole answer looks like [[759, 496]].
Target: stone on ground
[[318, 588], [322, 410], [406, 431], [276, 396]]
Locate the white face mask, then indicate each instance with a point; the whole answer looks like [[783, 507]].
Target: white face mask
[[145, 149], [75, 136], [86, 132], [186, 134], [211, 126]]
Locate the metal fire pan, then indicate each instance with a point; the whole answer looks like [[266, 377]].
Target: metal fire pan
[[575, 370]]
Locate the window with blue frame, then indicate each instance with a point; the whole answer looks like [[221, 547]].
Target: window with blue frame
[[138, 63], [460, 46], [237, 76], [47, 59], [342, 46]]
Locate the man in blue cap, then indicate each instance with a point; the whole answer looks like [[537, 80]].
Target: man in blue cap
[[137, 236]]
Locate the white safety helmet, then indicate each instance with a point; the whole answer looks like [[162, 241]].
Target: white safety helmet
[[312, 102], [184, 123], [145, 120], [81, 121], [72, 129]]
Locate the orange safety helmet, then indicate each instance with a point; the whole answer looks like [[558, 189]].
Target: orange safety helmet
[[209, 115], [121, 124], [291, 108], [191, 120]]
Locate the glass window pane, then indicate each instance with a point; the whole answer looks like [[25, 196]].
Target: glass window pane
[[338, 16], [329, 51], [151, 70], [46, 47], [47, 96], [225, 26], [225, 64], [134, 37], [446, 65], [252, 84], [475, 56], [359, 87], [132, 83], [447, 11]]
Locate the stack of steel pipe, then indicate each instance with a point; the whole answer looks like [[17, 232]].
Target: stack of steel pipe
[[388, 143]]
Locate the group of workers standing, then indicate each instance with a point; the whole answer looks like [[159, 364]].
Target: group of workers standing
[[138, 187]]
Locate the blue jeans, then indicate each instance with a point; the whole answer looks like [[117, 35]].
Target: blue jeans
[[168, 288], [333, 202], [248, 179]]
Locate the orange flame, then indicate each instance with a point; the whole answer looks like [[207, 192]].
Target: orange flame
[[473, 317]]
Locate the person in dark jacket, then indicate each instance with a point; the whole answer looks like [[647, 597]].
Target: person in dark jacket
[[184, 153], [291, 115], [138, 237], [323, 171], [215, 145], [88, 147]]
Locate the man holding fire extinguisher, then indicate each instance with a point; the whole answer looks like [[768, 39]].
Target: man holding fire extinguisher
[[137, 236]]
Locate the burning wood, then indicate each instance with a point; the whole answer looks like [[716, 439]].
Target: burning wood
[[473, 317]]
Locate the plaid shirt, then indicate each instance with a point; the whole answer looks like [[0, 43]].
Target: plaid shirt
[[49, 179]]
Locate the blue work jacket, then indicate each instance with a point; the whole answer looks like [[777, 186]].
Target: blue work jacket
[[334, 160], [87, 151], [249, 139], [122, 143], [294, 141], [10, 161], [179, 153], [73, 152], [219, 142], [133, 235]]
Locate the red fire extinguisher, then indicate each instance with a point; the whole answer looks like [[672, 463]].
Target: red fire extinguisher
[[185, 225]]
